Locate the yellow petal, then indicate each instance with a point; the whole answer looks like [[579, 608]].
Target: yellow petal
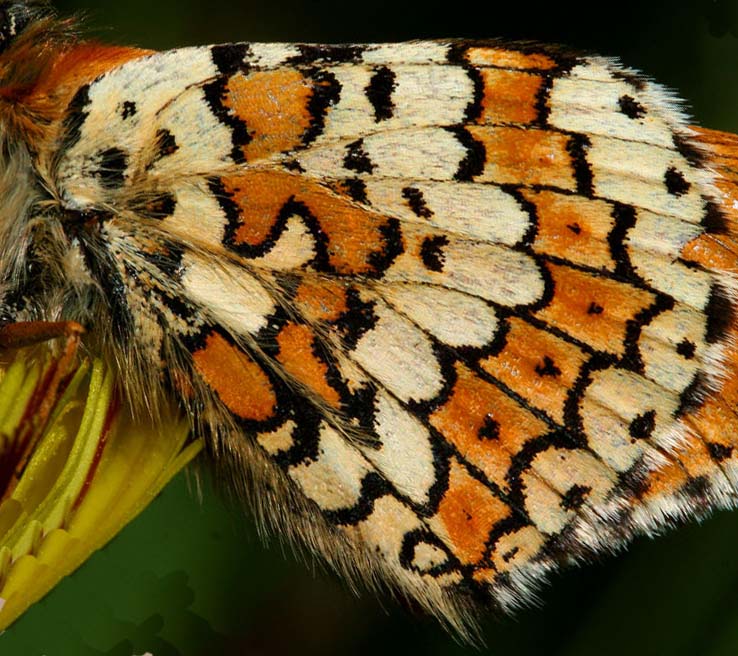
[[87, 478]]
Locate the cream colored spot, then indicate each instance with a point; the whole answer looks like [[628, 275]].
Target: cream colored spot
[[591, 106], [334, 479], [544, 505], [479, 211], [230, 294], [419, 154], [426, 52], [353, 114], [270, 55], [654, 245], [386, 526], [608, 437], [427, 556], [203, 142], [564, 468], [492, 272], [293, 250], [515, 549], [554, 472], [422, 154], [659, 343], [613, 400], [685, 284], [634, 173], [400, 357], [452, 317], [279, 440], [658, 234], [197, 217], [416, 94], [404, 457]]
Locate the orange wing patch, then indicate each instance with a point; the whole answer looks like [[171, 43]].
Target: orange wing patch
[[718, 252], [297, 352], [485, 425], [509, 96], [573, 228], [525, 157], [260, 196], [538, 365], [238, 381], [356, 240], [507, 58], [593, 309], [321, 299], [274, 107], [467, 514]]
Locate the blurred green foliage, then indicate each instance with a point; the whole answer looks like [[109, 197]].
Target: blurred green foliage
[[194, 579]]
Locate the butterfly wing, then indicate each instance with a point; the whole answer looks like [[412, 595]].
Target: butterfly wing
[[448, 311]]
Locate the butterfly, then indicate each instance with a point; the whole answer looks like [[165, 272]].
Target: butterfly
[[450, 314]]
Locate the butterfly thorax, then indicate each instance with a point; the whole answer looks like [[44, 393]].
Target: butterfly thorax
[[53, 253]]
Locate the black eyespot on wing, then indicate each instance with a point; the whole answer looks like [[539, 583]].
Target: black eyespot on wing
[[229, 58], [643, 425], [490, 429], [547, 368], [675, 182], [128, 109], [326, 94], [631, 107], [575, 497], [577, 148], [714, 220], [476, 155], [166, 145], [431, 252], [379, 93], [693, 396], [356, 158], [338, 54], [686, 349], [357, 320], [633, 79], [160, 206], [719, 452], [416, 201], [356, 189], [720, 312]]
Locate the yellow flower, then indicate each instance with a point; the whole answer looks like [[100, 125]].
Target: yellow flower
[[69, 484]]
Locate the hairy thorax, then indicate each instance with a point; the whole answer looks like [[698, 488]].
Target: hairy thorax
[[55, 258]]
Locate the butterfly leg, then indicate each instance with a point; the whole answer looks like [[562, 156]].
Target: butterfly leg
[[28, 333]]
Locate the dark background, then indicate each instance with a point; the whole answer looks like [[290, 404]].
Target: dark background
[[194, 579]]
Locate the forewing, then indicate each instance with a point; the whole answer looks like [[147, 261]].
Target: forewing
[[445, 295]]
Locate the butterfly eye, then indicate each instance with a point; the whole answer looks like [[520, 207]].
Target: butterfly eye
[[15, 17]]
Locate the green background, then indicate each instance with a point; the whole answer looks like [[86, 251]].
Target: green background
[[189, 578]]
